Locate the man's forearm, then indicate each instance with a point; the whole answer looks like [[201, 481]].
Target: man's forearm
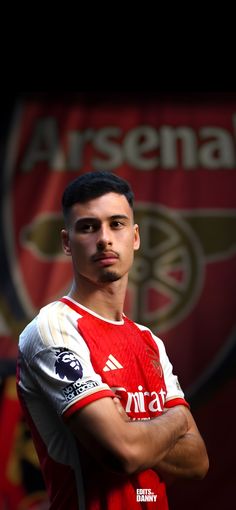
[[178, 455], [187, 459], [123, 445], [152, 440]]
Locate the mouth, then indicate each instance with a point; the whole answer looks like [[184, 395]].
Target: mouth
[[106, 258]]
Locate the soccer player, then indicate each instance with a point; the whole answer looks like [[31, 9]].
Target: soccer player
[[108, 418]]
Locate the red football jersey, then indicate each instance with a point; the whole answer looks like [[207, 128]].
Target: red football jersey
[[70, 356]]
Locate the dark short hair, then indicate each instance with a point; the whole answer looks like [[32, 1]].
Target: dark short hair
[[93, 185]]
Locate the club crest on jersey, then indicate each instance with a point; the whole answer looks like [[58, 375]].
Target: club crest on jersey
[[68, 365], [155, 361]]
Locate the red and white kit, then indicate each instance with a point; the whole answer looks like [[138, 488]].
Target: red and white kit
[[69, 357]]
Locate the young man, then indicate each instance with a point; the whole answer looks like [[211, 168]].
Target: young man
[[107, 415]]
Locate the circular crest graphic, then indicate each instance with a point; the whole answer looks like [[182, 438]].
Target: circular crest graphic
[[167, 274]]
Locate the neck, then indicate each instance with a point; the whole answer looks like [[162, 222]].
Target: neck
[[106, 300]]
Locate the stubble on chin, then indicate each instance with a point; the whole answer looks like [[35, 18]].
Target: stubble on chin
[[109, 276]]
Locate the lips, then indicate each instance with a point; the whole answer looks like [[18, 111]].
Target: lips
[[108, 255]]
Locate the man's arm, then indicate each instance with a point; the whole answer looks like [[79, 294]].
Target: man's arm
[[188, 458], [127, 446]]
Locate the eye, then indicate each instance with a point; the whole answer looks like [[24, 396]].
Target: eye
[[117, 224], [85, 228]]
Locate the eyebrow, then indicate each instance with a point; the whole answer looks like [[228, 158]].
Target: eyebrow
[[94, 218], [119, 216]]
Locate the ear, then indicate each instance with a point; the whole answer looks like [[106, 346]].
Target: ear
[[65, 242], [136, 237]]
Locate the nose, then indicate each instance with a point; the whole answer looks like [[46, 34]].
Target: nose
[[104, 237]]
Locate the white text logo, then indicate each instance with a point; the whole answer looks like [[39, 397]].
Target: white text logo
[[141, 401], [145, 495]]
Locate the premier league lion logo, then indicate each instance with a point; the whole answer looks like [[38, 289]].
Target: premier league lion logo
[[67, 365]]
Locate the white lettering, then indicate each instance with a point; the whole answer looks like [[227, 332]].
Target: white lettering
[[155, 404], [171, 150], [143, 147], [145, 495], [44, 146], [138, 142], [104, 144], [152, 498], [162, 393], [219, 152], [133, 398], [141, 401], [76, 146]]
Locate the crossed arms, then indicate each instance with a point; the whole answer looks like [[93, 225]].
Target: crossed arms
[[171, 443]]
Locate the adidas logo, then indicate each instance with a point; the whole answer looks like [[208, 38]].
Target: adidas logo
[[111, 364]]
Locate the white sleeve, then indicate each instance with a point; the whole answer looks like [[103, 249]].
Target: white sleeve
[[56, 362], [175, 394]]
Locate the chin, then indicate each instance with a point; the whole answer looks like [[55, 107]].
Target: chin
[[109, 276]]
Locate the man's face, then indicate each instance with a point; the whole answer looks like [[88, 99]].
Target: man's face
[[101, 238]]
